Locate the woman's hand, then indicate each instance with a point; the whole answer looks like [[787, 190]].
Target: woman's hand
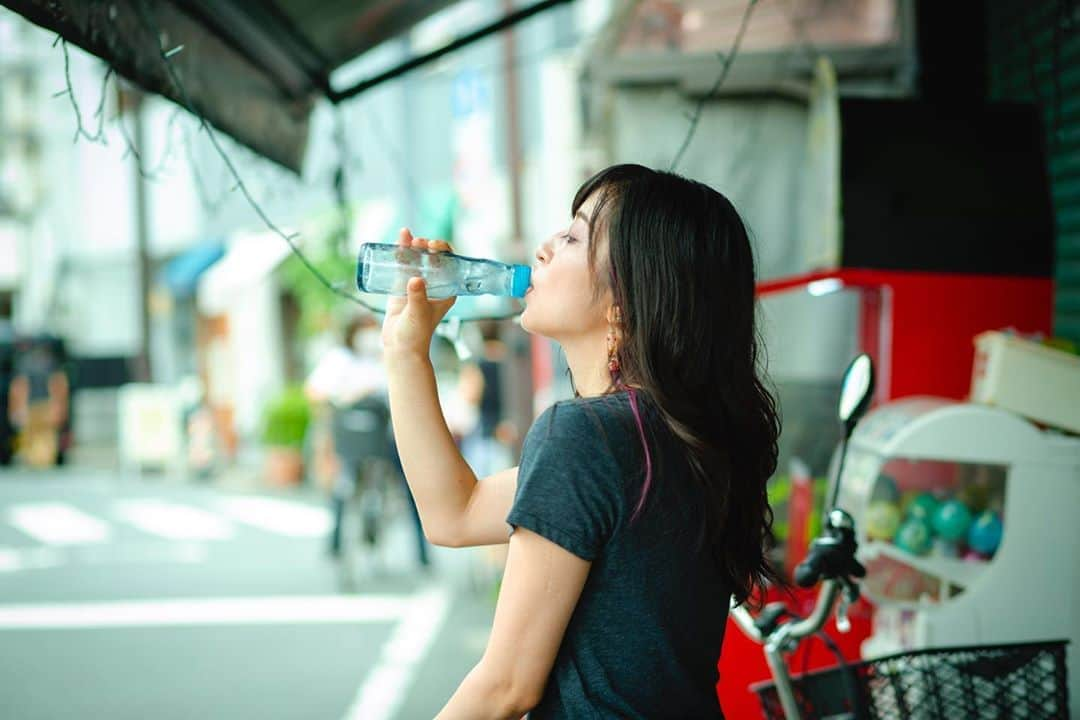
[[411, 320]]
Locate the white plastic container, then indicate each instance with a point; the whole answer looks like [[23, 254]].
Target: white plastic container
[[1030, 379]]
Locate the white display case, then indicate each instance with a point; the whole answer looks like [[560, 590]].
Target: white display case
[[919, 473]]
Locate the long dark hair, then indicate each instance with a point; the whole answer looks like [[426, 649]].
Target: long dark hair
[[681, 271]]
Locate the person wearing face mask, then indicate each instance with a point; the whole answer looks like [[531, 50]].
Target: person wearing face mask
[[350, 382]]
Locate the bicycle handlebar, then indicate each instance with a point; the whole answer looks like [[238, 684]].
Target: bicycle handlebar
[[832, 554], [831, 557]]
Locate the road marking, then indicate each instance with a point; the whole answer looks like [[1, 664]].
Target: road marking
[[15, 559], [278, 516], [297, 610], [174, 521], [57, 524], [385, 686]]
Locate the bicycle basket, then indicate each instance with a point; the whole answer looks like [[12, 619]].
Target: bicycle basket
[[988, 682]]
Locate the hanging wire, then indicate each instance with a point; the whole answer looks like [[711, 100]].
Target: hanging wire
[[728, 59], [154, 173], [99, 136], [212, 207], [80, 131], [290, 239]]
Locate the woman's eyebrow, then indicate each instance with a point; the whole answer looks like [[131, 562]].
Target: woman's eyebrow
[[581, 215]]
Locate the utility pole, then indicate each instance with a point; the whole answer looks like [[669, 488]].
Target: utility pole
[[519, 385], [132, 101]]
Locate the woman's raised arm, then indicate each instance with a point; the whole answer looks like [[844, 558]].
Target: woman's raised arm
[[454, 508]]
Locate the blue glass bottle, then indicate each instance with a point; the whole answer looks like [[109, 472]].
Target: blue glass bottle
[[386, 269]]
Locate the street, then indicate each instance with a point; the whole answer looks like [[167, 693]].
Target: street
[[145, 597]]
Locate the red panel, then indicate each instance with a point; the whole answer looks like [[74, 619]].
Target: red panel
[[929, 320], [936, 317]]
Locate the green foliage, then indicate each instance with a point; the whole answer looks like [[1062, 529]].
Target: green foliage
[[286, 419], [779, 492], [317, 304]]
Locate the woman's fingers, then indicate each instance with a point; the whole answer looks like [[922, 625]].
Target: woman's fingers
[[407, 239]]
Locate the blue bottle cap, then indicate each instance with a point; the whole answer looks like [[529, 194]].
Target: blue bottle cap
[[520, 282]]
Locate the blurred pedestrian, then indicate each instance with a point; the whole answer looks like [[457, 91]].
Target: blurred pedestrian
[[38, 402], [487, 446], [349, 383]]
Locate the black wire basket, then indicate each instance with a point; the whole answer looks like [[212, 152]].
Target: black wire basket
[[986, 682]]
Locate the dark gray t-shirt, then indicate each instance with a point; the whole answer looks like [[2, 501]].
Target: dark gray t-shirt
[[644, 638]]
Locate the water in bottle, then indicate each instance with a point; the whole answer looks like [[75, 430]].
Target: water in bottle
[[386, 269]]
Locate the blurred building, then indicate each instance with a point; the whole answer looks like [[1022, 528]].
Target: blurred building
[[167, 274]]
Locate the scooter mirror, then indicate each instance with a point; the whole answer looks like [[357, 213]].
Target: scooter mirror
[[856, 390]]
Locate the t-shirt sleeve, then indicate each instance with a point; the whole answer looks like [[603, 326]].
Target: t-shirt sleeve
[[569, 489]]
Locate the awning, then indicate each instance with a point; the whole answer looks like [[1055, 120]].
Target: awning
[[253, 69], [181, 274], [251, 257]]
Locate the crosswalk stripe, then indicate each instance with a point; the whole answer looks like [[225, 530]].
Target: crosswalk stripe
[[58, 524], [173, 521], [317, 609], [15, 559], [278, 516], [385, 688]]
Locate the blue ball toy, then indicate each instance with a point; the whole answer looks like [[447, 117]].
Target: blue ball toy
[[985, 533]]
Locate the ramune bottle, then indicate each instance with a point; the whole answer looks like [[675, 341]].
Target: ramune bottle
[[386, 269]]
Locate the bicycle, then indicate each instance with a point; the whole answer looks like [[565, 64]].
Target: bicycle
[[369, 491]]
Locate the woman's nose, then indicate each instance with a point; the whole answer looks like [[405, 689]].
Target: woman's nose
[[543, 253]]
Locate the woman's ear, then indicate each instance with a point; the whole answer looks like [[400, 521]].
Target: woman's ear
[[614, 315]]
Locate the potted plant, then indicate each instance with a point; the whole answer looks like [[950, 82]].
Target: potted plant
[[285, 424]]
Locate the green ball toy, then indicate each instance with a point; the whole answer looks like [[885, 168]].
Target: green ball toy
[[952, 520], [923, 506], [915, 536]]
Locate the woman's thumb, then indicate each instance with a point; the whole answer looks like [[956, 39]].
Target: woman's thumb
[[416, 290]]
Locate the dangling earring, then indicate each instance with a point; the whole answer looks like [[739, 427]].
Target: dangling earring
[[613, 342], [612, 353]]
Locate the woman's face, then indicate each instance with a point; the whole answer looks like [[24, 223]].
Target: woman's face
[[562, 304]]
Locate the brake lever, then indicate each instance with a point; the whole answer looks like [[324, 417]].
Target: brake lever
[[848, 597], [843, 623]]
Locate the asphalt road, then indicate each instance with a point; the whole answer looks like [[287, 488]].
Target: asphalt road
[[146, 598]]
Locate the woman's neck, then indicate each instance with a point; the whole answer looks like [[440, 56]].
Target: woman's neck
[[588, 362]]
